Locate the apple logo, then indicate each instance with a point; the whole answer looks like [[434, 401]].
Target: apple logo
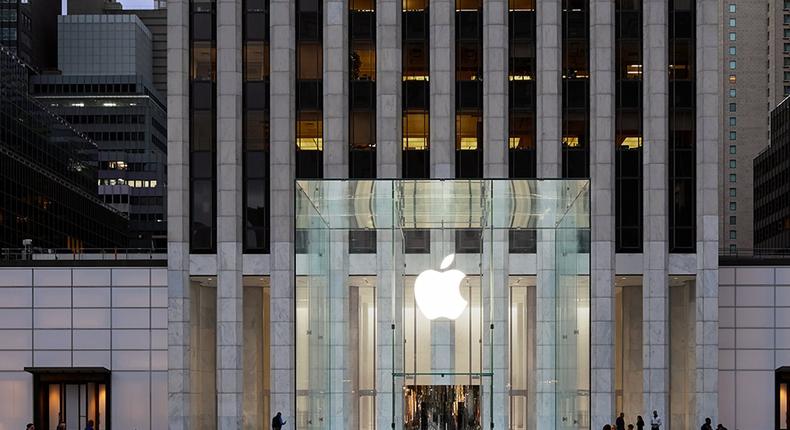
[[438, 294]]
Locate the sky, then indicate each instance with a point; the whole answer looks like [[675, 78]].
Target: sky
[[127, 4]]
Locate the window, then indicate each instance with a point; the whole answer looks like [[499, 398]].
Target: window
[[787, 61], [362, 86], [733, 220], [732, 36], [787, 19], [732, 235], [416, 89], [787, 47], [309, 89], [732, 22], [575, 88], [731, 8], [732, 79], [732, 107], [787, 32], [732, 135], [733, 192], [787, 91], [733, 121], [733, 63], [786, 4], [732, 92], [469, 89], [733, 177], [732, 164], [522, 159], [732, 149], [733, 206], [732, 50]]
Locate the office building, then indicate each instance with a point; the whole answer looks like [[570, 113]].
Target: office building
[[49, 175], [111, 99], [623, 93], [156, 22], [755, 47], [772, 187], [29, 30]]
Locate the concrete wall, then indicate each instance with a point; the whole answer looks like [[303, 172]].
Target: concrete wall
[[86, 317]]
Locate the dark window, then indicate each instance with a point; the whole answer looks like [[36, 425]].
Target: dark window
[[362, 241], [416, 89], [416, 241], [575, 89], [362, 86], [469, 89], [309, 89], [522, 98]]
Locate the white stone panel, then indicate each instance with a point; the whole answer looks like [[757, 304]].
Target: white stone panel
[[16, 298], [16, 277], [753, 359], [91, 297], [15, 360], [130, 360], [131, 318], [131, 339], [754, 276], [91, 318], [751, 338], [131, 297], [16, 339], [754, 317], [91, 339], [91, 277], [52, 359], [52, 297], [754, 400], [52, 277], [16, 399], [93, 359], [131, 277], [52, 318], [52, 339], [754, 296], [131, 388]]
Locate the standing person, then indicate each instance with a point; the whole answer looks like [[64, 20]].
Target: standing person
[[640, 423], [630, 427], [620, 422], [90, 425], [278, 422], [707, 425], [607, 427], [721, 427], [655, 422]]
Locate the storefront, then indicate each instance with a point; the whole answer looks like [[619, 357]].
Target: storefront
[[447, 332]]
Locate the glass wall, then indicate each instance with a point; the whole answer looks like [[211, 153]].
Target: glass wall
[[436, 345], [416, 89]]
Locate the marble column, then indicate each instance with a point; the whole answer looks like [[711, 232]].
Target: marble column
[[549, 93], [229, 220], [389, 77], [708, 77], [178, 303], [282, 158], [655, 327], [442, 104], [602, 246]]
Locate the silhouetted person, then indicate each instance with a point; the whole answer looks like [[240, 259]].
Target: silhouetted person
[[640, 423], [620, 422], [90, 425], [707, 425], [30, 426], [655, 422], [423, 416], [630, 427], [721, 427], [607, 427], [278, 422]]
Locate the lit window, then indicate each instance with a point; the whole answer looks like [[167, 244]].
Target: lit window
[[732, 149], [732, 36], [732, 8], [732, 50], [732, 22], [733, 63], [732, 135], [732, 79], [732, 234], [733, 122], [733, 192], [732, 164], [733, 177]]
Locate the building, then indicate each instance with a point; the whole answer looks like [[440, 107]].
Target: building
[[29, 30], [156, 22], [462, 90], [111, 99], [772, 186], [755, 78], [49, 175]]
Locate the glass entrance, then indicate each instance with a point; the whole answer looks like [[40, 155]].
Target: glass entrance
[[71, 398], [442, 407]]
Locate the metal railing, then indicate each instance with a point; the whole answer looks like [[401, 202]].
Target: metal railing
[[85, 254]]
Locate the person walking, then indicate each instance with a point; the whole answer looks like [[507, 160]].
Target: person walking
[[707, 425], [655, 422], [278, 422], [620, 422]]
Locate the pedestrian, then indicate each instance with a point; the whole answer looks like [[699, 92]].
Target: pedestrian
[[90, 425], [630, 427], [620, 422], [721, 427], [655, 422], [61, 425], [278, 422], [30, 426], [607, 427], [640, 423], [707, 425]]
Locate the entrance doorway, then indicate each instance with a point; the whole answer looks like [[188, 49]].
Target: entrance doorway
[[442, 407], [71, 397]]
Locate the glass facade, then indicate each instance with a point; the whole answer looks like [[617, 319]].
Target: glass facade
[[433, 351], [48, 175], [575, 88], [682, 126], [255, 123], [628, 125], [202, 127], [416, 89], [468, 88], [309, 89], [522, 95]]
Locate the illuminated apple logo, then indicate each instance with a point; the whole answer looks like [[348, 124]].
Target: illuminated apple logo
[[438, 294]]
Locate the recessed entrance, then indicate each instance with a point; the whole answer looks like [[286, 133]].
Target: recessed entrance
[[442, 407]]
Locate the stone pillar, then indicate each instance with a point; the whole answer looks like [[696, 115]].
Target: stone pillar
[[229, 223], [602, 173], [655, 295], [549, 94], [178, 363], [335, 47], [707, 285], [442, 105], [495, 89], [389, 78], [282, 157]]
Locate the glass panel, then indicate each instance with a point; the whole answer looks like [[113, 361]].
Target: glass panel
[[203, 360], [522, 353]]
